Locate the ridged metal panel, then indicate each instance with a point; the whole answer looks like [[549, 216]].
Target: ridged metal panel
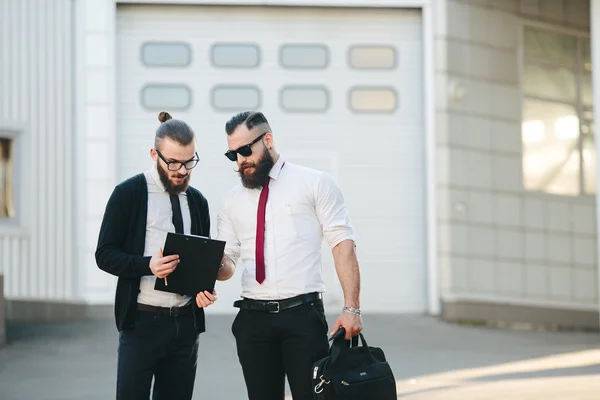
[[36, 95]]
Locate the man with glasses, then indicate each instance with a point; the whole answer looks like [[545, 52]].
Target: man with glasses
[[158, 331], [274, 224]]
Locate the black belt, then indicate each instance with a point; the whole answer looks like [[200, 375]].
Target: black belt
[[275, 306], [170, 311]]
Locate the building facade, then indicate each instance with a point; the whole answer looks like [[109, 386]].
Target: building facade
[[517, 164], [461, 133]]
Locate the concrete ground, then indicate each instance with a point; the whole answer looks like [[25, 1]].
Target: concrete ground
[[430, 360]]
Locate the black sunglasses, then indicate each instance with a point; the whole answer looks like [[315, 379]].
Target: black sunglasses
[[176, 165], [245, 151]]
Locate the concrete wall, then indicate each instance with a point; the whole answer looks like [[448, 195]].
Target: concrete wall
[[499, 244]]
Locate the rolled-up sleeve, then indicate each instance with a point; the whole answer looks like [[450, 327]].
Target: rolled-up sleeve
[[332, 211], [226, 232]]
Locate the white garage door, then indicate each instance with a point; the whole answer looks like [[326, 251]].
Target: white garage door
[[342, 89]]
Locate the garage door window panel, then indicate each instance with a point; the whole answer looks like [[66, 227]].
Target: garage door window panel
[[235, 97], [373, 99], [166, 54], [307, 99], [235, 55], [166, 96], [304, 56], [372, 57]]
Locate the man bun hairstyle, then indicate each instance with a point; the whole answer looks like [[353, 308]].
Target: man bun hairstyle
[[253, 121], [174, 129], [164, 116]]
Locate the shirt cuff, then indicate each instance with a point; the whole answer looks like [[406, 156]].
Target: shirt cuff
[[231, 254], [339, 238]]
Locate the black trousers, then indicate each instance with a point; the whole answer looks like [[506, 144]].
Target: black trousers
[[163, 347], [271, 346]]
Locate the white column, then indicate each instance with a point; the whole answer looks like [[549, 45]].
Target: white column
[[434, 17], [595, 44], [95, 151]]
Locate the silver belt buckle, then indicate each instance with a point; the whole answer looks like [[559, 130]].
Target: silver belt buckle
[[269, 303]]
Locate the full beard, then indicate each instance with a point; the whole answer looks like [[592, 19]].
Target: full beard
[[260, 175], [170, 187]]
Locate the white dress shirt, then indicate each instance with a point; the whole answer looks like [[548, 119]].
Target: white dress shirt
[[158, 224], [304, 205]]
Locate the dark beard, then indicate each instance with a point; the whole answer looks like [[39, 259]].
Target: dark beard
[[169, 186], [261, 171]]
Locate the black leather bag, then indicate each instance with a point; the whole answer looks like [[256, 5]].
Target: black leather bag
[[353, 372]]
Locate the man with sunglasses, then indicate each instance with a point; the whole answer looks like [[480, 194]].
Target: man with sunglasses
[[274, 224], [158, 331]]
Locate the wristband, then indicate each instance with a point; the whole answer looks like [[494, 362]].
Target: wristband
[[352, 310]]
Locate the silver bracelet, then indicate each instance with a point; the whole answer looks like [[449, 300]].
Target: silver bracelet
[[352, 310]]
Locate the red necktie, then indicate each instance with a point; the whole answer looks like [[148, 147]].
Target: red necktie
[[260, 233]]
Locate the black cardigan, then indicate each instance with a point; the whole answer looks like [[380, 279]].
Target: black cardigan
[[122, 239]]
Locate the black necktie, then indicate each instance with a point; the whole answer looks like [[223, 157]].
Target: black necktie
[[177, 219]]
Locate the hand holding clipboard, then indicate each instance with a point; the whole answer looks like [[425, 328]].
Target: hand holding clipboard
[[196, 267], [161, 266]]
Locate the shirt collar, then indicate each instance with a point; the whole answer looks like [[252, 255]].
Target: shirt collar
[[276, 170], [156, 178]]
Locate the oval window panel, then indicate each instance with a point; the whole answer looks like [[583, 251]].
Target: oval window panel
[[235, 98], [372, 57], [304, 56], [383, 100], [166, 96], [304, 98], [166, 54], [235, 55]]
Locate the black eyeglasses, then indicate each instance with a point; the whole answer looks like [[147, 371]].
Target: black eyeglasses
[[176, 165], [245, 151]]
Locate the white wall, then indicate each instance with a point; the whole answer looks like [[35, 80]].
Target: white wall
[[36, 103]]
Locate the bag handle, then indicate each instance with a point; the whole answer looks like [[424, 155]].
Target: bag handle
[[341, 333], [340, 344]]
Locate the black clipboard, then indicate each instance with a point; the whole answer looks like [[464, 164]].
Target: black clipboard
[[199, 262]]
